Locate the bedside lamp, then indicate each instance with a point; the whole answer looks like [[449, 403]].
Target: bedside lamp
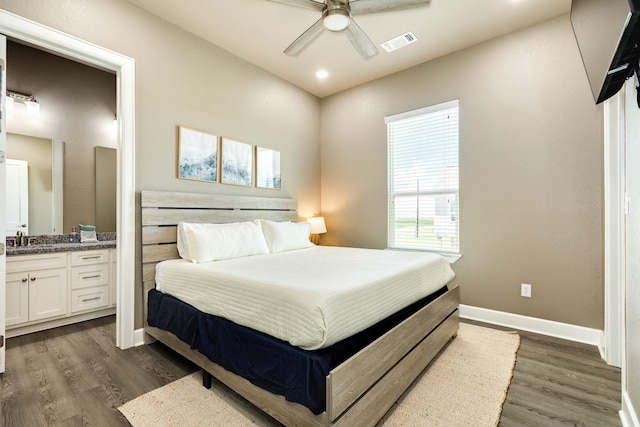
[[318, 227]]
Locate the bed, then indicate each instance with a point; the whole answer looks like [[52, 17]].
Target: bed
[[361, 387]]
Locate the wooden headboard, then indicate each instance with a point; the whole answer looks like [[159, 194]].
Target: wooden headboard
[[162, 211]]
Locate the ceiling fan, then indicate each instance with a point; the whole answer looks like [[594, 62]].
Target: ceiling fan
[[337, 16]]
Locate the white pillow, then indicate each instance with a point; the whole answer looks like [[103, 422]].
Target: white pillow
[[286, 236], [183, 249], [212, 242]]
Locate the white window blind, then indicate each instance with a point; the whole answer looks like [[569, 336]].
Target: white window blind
[[423, 179]]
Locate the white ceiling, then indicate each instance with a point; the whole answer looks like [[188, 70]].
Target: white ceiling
[[259, 30]]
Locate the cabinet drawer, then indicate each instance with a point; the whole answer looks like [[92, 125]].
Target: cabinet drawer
[[90, 275], [89, 257], [89, 298], [18, 263]]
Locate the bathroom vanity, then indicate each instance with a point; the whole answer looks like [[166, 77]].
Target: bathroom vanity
[[56, 284]]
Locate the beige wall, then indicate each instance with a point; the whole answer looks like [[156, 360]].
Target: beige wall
[[530, 170], [182, 80]]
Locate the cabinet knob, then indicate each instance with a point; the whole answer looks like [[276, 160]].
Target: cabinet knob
[[24, 280], [33, 279]]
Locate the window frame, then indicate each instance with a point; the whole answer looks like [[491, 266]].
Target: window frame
[[393, 194]]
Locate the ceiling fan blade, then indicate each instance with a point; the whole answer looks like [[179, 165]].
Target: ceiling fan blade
[[360, 41], [307, 4], [305, 38], [360, 7]]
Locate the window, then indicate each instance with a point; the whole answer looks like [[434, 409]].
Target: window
[[423, 179]]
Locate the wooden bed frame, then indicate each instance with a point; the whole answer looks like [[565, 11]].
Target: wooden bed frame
[[360, 390]]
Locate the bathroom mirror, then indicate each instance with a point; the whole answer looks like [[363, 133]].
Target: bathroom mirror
[[45, 171]]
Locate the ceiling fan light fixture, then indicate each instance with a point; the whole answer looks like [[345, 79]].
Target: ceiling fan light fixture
[[336, 19]]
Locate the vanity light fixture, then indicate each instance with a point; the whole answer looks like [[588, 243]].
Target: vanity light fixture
[[8, 103], [33, 106]]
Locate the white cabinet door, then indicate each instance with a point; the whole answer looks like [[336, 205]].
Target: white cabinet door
[[17, 202], [17, 298], [47, 293], [36, 295]]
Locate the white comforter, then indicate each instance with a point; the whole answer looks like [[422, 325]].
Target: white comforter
[[311, 297]]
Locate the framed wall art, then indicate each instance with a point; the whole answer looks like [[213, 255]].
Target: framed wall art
[[197, 155], [267, 168], [237, 162]]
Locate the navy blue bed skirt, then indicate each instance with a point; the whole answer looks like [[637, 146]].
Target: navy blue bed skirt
[[274, 365]]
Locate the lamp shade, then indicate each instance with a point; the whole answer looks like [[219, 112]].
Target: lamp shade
[[317, 225]]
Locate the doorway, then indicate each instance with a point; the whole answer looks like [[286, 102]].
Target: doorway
[[67, 46]]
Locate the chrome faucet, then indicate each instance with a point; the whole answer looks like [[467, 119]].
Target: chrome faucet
[[20, 238]]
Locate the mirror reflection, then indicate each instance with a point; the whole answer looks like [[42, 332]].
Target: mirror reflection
[[34, 185]]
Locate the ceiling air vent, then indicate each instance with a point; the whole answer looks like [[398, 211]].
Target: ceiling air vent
[[400, 41]]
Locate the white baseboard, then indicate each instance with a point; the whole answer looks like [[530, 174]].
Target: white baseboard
[[627, 413], [533, 324], [138, 337], [510, 320]]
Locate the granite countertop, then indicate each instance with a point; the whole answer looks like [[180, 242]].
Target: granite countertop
[[59, 247], [59, 243]]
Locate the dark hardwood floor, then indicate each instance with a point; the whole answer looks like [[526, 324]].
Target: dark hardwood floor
[[75, 376], [561, 383]]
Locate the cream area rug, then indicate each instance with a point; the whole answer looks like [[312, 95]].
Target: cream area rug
[[465, 386]]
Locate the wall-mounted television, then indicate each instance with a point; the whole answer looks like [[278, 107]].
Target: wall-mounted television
[[608, 34]]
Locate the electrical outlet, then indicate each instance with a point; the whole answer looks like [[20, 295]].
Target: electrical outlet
[[525, 290]]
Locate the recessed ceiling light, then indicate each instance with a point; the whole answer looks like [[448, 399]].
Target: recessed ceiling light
[[322, 74]]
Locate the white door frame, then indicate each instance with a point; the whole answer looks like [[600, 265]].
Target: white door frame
[[614, 229], [69, 46], [3, 190]]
